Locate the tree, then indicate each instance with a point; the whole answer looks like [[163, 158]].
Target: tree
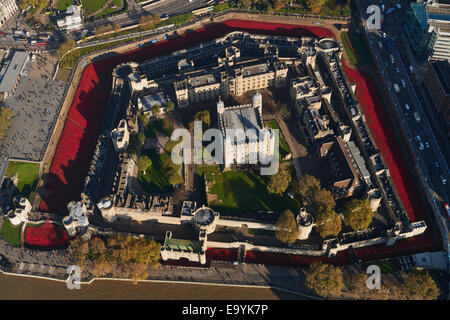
[[326, 280], [269, 9], [170, 106], [359, 288], [280, 181], [64, 47], [304, 185], [313, 196], [143, 162], [144, 120], [328, 223], [321, 197], [278, 4], [156, 110], [5, 120], [142, 138], [357, 214], [116, 27], [284, 113], [419, 285], [287, 228], [312, 4], [149, 21]]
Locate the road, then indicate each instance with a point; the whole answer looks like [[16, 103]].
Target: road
[[396, 74]]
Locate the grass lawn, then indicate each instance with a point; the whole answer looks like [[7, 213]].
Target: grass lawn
[[90, 6], [63, 4], [156, 176], [284, 147], [244, 190], [110, 10], [28, 174], [356, 48], [11, 233]]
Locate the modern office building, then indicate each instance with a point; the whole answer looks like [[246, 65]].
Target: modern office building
[[428, 29]]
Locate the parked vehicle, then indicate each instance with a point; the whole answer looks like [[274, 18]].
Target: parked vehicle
[[447, 208], [403, 83], [416, 116], [406, 107], [396, 87]]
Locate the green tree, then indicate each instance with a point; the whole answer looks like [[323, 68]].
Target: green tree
[[156, 110], [357, 214], [328, 223], [170, 106], [326, 280], [280, 181], [142, 138], [64, 47], [313, 4], [269, 9], [419, 285], [144, 120], [283, 111], [313, 196], [143, 162], [5, 120], [359, 288], [287, 228]]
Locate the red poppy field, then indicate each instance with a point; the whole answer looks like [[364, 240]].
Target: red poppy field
[[46, 235], [76, 145]]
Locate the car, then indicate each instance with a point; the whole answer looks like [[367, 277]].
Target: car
[[382, 7], [443, 179], [397, 70], [403, 83], [411, 69], [396, 88], [406, 107], [427, 144], [436, 164], [398, 6], [392, 58], [290, 195], [416, 116], [447, 208]]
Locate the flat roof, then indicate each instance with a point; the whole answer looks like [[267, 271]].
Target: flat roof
[[13, 71], [244, 118], [183, 245]]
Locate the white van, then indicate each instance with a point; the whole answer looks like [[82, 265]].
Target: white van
[[396, 88], [416, 116], [403, 83]]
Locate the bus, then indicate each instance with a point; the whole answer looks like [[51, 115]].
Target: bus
[[41, 44]]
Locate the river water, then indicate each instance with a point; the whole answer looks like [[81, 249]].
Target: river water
[[17, 287]]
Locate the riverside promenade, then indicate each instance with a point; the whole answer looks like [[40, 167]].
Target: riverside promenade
[[52, 264]]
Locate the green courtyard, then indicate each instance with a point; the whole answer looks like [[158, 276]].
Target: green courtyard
[[245, 190], [28, 177], [11, 233]]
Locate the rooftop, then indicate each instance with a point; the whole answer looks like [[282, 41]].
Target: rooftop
[[442, 70], [13, 71]]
